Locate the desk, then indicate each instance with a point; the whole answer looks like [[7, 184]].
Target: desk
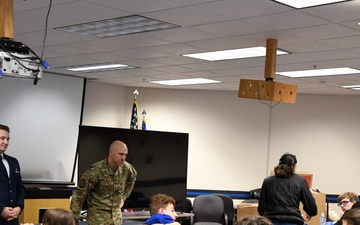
[[144, 215], [125, 222], [138, 217]]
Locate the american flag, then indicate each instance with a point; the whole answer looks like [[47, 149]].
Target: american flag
[[134, 116]]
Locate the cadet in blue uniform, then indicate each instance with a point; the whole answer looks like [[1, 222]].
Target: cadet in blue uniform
[[12, 189]]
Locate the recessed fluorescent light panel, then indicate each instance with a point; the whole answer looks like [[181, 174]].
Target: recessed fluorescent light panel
[[99, 67], [352, 87], [117, 26], [319, 72], [186, 81], [233, 54], [308, 3]]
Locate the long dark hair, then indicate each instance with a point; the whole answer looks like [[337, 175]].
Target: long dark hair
[[286, 165], [58, 216], [352, 216]]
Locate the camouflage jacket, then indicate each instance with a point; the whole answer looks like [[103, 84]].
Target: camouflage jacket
[[104, 190]]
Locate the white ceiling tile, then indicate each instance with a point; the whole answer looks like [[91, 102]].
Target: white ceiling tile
[[89, 12], [306, 46], [141, 53], [38, 18], [24, 5], [243, 9], [172, 69], [340, 12], [176, 48], [286, 20], [332, 55], [322, 32], [185, 16], [348, 42], [138, 6], [192, 2], [229, 28], [181, 35]]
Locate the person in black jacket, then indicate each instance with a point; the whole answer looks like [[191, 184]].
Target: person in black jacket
[[12, 189], [282, 193]]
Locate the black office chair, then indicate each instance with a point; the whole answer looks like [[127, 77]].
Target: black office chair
[[255, 193], [228, 208], [187, 208], [209, 210]]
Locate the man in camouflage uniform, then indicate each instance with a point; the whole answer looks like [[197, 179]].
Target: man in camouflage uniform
[[106, 184]]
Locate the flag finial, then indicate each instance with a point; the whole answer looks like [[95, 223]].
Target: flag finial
[[136, 93]]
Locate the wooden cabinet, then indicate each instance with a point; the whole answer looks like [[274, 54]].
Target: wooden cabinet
[[32, 208], [37, 200], [320, 199]]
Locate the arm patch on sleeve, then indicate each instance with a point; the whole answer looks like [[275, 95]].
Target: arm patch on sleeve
[[82, 183]]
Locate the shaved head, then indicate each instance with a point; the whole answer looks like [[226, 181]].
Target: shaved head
[[116, 145], [117, 154]]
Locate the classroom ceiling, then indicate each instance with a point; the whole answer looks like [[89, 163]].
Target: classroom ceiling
[[320, 37]]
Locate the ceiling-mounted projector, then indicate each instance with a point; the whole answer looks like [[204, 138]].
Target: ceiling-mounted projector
[[16, 65], [19, 61]]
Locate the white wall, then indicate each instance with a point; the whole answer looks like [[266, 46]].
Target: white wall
[[218, 124], [234, 143], [323, 131], [104, 105]]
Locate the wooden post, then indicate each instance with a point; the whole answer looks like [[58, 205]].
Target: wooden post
[[270, 63], [7, 19], [268, 90]]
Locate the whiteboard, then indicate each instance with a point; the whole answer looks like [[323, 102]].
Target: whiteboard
[[43, 121]]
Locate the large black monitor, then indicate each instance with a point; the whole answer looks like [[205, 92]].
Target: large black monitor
[[160, 158]]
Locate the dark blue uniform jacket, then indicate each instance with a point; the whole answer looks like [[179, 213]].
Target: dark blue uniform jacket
[[12, 190]]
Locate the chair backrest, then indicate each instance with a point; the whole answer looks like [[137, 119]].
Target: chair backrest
[[188, 209], [208, 208], [255, 193], [228, 208]]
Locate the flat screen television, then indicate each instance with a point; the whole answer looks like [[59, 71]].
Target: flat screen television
[[160, 159]]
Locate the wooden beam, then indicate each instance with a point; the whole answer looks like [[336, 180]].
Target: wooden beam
[[270, 63], [267, 90], [7, 19]]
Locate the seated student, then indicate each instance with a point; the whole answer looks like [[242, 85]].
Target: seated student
[[162, 210], [57, 216], [347, 201], [351, 217], [254, 220]]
